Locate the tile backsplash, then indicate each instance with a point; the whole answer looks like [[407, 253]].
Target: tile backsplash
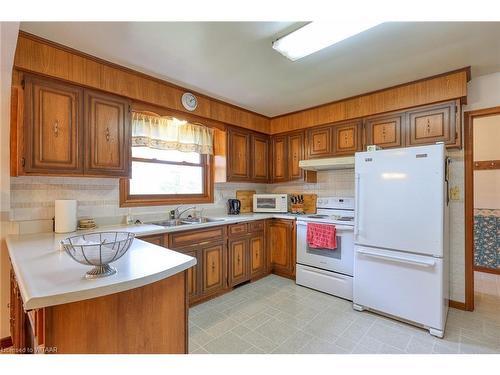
[[32, 198]]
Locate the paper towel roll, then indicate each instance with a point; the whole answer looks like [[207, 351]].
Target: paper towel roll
[[65, 215]]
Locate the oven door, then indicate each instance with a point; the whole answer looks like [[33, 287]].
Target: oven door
[[339, 260]]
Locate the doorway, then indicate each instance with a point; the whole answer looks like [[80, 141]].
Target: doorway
[[482, 208]]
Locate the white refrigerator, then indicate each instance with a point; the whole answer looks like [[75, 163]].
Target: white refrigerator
[[401, 234]]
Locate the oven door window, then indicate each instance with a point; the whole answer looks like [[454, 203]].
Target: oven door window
[[266, 202], [334, 254]]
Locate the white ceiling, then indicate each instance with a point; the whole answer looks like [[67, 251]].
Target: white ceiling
[[234, 61]]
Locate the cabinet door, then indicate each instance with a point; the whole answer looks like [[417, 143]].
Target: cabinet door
[[319, 142], [213, 268], [257, 255], [385, 131], [295, 154], [238, 261], [280, 168], [347, 138], [107, 135], [52, 127], [281, 242], [432, 124], [260, 158], [193, 289], [239, 155]]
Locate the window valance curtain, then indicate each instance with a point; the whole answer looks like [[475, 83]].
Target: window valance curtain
[[169, 133]]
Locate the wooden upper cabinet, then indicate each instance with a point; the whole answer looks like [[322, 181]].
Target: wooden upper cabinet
[[107, 135], [213, 278], [295, 154], [430, 124], [319, 142], [281, 242], [280, 159], [53, 125], [238, 150], [385, 131], [347, 138], [260, 159]]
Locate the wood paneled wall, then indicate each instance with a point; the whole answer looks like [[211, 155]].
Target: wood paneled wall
[[448, 86], [37, 55]]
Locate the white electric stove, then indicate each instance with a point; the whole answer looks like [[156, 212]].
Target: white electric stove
[[329, 271]]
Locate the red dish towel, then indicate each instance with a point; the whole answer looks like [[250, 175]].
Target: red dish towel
[[321, 236]]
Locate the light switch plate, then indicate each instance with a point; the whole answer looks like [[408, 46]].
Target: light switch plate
[[455, 193]]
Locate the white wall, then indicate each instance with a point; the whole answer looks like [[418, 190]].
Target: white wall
[[482, 92], [487, 147], [8, 40]]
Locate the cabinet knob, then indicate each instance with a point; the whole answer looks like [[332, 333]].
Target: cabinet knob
[[213, 267], [56, 128], [428, 126], [108, 136], [238, 259]]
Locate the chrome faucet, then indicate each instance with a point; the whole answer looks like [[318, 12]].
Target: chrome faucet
[[176, 214]]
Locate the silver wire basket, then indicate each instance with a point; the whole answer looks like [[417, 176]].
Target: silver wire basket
[[98, 250]]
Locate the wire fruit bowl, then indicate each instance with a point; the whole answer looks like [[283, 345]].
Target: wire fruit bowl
[[98, 250]]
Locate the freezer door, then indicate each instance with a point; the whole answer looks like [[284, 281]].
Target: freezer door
[[400, 198], [400, 284]]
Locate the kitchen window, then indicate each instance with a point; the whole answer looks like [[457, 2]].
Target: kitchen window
[[171, 162]]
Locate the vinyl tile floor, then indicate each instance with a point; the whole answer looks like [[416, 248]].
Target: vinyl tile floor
[[274, 315]]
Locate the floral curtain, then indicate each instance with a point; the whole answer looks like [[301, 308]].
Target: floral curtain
[[169, 133]]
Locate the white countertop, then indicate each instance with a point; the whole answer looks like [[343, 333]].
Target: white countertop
[[48, 276]]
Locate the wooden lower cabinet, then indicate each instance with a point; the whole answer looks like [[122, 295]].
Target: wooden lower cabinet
[[281, 242], [193, 289], [149, 319], [257, 255], [239, 270], [212, 266]]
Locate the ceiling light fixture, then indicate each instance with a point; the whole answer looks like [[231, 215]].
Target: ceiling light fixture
[[318, 35]]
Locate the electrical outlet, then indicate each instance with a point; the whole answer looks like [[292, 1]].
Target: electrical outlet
[[455, 193]]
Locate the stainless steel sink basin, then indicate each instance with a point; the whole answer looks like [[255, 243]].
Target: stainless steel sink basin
[[186, 221], [200, 220], [170, 223]]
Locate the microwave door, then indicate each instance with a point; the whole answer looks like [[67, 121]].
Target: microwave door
[[267, 203]]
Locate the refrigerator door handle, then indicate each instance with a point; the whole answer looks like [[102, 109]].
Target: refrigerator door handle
[[423, 263], [356, 213]]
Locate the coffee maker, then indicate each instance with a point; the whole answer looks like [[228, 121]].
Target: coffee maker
[[233, 206]]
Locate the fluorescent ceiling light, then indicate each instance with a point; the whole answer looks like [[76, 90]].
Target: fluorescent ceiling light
[[318, 35]]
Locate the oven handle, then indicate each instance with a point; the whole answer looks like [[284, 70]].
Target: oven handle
[[338, 227], [423, 263]]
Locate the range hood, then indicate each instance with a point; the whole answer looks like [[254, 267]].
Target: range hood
[[346, 162]]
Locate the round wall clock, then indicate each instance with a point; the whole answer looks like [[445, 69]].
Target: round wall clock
[[189, 101]]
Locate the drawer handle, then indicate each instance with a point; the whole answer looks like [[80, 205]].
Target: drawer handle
[[213, 267], [398, 259], [428, 126], [108, 136]]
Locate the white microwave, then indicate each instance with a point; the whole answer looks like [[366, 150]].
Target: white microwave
[[270, 203]]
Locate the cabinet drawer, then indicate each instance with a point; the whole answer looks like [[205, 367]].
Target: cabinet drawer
[[197, 237], [238, 229], [256, 226]]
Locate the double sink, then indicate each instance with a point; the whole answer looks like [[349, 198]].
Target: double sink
[[187, 221]]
